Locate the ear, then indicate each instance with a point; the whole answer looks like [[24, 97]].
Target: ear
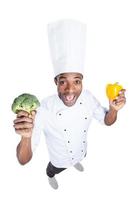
[[82, 76], [55, 80]]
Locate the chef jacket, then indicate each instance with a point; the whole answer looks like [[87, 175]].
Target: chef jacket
[[66, 128]]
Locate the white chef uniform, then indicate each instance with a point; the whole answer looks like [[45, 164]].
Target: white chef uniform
[[66, 128], [67, 42]]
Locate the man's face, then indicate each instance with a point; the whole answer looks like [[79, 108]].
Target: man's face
[[69, 86]]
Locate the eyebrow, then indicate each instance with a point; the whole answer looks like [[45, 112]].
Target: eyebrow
[[64, 77], [78, 77]]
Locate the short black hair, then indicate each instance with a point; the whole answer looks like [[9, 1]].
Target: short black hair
[[55, 78]]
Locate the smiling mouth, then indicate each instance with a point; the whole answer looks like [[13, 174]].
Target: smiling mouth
[[69, 100]]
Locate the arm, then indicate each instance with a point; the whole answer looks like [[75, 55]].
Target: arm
[[23, 125], [114, 107], [24, 152], [110, 116]]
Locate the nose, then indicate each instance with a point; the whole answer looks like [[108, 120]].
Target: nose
[[70, 88]]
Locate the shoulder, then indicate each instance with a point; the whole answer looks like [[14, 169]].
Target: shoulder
[[86, 94], [89, 98], [48, 103], [48, 100], [45, 108]]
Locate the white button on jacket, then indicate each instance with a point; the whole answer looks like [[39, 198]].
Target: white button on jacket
[[66, 128]]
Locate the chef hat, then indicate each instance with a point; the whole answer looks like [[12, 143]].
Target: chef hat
[[67, 40]]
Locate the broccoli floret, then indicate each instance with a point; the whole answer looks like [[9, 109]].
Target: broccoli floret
[[26, 102]]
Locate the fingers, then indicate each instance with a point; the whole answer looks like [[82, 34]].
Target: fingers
[[24, 128], [120, 98], [32, 114], [22, 113], [23, 125], [26, 114], [23, 119], [122, 92], [118, 104]]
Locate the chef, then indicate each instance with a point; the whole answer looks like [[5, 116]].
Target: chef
[[65, 117]]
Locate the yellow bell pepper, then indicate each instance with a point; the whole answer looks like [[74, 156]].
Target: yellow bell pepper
[[112, 90]]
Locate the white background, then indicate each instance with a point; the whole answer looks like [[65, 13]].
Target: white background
[[25, 66]]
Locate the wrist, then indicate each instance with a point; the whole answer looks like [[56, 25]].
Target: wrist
[[112, 109], [25, 139]]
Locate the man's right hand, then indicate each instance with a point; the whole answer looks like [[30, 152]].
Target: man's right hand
[[24, 123]]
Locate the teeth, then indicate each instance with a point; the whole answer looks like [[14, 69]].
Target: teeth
[[69, 97]]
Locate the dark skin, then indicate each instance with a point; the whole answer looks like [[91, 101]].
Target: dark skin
[[69, 87]]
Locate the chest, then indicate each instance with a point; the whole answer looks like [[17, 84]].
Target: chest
[[71, 120]]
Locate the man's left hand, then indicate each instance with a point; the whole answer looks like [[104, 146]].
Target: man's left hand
[[119, 102]]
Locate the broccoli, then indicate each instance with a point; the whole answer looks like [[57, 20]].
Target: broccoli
[[26, 102]]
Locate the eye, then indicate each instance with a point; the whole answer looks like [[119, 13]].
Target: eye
[[77, 82], [61, 82]]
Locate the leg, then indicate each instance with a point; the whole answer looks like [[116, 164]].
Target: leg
[[51, 171], [79, 167]]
